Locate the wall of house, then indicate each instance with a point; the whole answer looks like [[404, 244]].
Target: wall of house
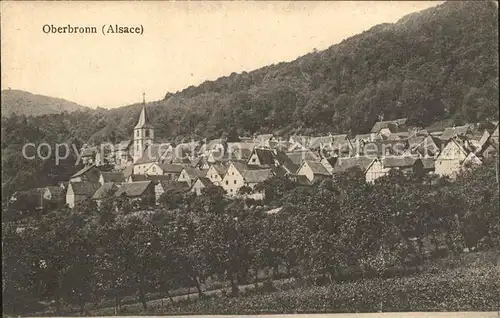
[[214, 176], [232, 181], [305, 170], [197, 187], [447, 167], [375, 171], [141, 168], [253, 160], [184, 177]]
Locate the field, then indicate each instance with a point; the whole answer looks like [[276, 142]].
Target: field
[[469, 282]]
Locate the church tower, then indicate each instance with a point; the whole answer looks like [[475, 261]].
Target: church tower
[[143, 132]]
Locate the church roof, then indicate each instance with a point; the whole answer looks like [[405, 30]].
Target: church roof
[[143, 120]]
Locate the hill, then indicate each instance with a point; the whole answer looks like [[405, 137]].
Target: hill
[[440, 63], [25, 103]]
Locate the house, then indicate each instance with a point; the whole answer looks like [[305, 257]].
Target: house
[[107, 190], [215, 173], [54, 195], [381, 167], [28, 200], [297, 157], [190, 174], [122, 153], [166, 169], [115, 177], [263, 140], [88, 155], [391, 125], [80, 191], [137, 177], [453, 157], [138, 191], [261, 157], [200, 184], [253, 177], [87, 174], [428, 146], [451, 132], [283, 160], [313, 170], [154, 153], [299, 143], [163, 186], [300, 180], [344, 164], [233, 180]]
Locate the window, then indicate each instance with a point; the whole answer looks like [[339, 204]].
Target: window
[[232, 173], [227, 182], [234, 181], [154, 169], [147, 133], [254, 160]]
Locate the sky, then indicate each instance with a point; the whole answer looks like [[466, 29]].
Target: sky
[[183, 43]]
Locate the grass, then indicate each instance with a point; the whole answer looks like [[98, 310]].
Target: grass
[[469, 282]]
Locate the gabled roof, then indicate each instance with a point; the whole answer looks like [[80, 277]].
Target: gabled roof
[[138, 177], [83, 171], [344, 164], [133, 189], [317, 168], [221, 170], [127, 172], [286, 162], [194, 173], [85, 188], [55, 191], [388, 124], [240, 166], [451, 132], [113, 176], [319, 142], [154, 153], [143, 119], [205, 181], [174, 185], [398, 162], [298, 156], [159, 178], [170, 168], [266, 156], [428, 163], [257, 175], [108, 189]]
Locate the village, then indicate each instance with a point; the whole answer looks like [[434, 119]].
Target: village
[[140, 169]]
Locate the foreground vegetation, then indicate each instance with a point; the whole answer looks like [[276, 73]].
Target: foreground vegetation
[[335, 229], [468, 282]]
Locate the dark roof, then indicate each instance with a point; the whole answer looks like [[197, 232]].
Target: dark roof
[[113, 176], [221, 170], [317, 168], [143, 121], [170, 168], [55, 190], [138, 177], [344, 164], [451, 132], [428, 163], [194, 172], [159, 178], [257, 175], [205, 181], [174, 185], [398, 162], [286, 162], [266, 156], [85, 188], [133, 189], [298, 156], [83, 171], [108, 189], [127, 172]]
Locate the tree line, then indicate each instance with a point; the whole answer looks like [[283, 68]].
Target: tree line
[[343, 227]]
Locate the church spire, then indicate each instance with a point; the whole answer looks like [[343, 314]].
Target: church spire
[[143, 118]]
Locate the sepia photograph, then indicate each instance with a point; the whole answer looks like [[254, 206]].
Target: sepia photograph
[[244, 158]]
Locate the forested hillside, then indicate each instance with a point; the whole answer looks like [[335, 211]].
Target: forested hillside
[[435, 64], [25, 103]]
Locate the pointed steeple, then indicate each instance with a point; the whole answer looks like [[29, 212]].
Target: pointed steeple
[[143, 118]]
